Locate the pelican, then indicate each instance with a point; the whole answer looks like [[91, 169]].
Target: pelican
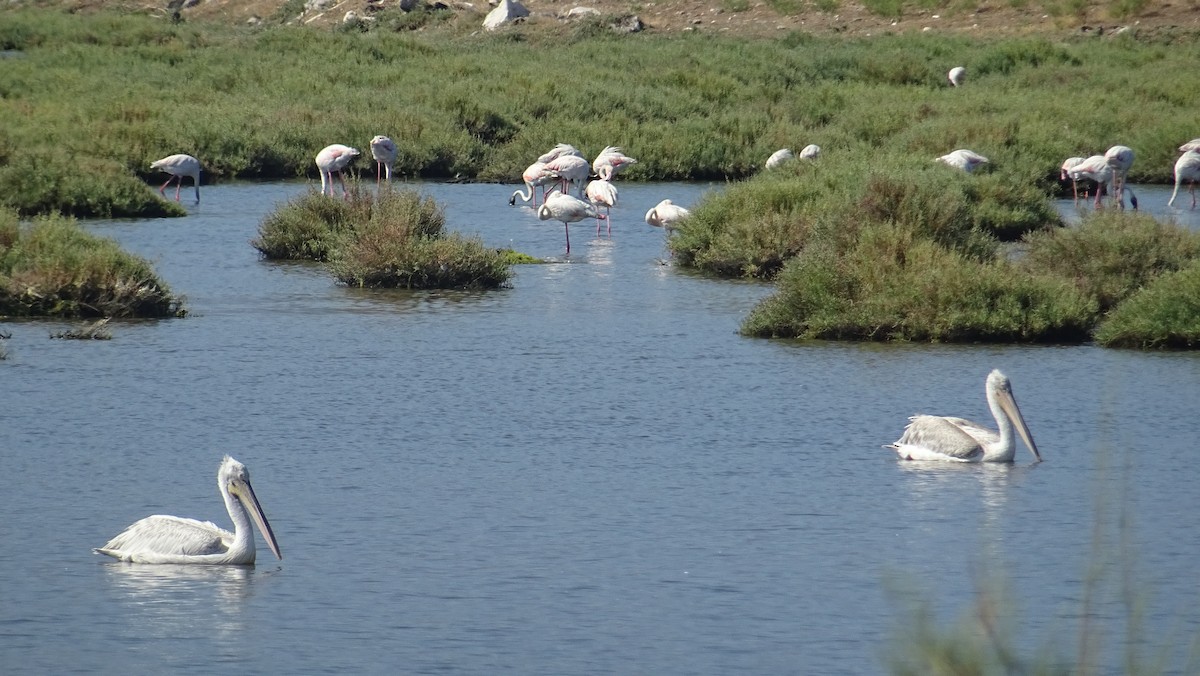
[[931, 437], [179, 166], [956, 75], [172, 539]]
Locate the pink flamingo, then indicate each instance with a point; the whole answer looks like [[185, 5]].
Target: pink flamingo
[[666, 214], [966, 160], [332, 159], [1096, 169], [179, 166], [383, 149], [535, 176], [569, 169], [1067, 165], [602, 192], [558, 151], [568, 209], [1187, 168], [614, 158], [1120, 158]]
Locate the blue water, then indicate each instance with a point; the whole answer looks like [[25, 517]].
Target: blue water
[[588, 472]]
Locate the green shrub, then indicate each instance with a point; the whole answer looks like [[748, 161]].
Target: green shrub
[[56, 269], [1112, 253], [1163, 314]]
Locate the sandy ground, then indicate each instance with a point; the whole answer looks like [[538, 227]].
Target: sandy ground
[[756, 18]]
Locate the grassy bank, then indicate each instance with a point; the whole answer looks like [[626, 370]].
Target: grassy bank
[[395, 240], [123, 91], [53, 268]]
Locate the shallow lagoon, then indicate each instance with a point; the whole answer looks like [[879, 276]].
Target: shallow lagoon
[[589, 472]]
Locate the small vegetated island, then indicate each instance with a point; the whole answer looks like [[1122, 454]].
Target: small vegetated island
[[873, 240], [395, 239]]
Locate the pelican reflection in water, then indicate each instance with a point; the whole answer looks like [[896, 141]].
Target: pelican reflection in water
[[931, 437], [172, 539]]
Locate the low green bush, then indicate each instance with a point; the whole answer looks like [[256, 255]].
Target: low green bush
[[1164, 314], [394, 240], [53, 268]]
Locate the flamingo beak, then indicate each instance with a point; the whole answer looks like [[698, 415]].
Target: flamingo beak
[[245, 492]]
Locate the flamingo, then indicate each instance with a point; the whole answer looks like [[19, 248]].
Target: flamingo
[[956, 75], [1120, 158], [966, 160], [172, 539], [179, 166], [932, 437], [569, 169], [810, 152], [613, 157], [1194, 144], [383, 149], [559, 151], [1067, 165], [666, 214], [535, 175], [332, 159], [1187, 168], [1094, 168], [778, 157], [568, 209], [602, 192]]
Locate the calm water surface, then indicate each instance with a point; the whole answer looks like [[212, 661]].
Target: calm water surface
[[589, 472]]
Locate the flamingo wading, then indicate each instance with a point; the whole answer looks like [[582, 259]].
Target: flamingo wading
[[172, 539], [568, 209], [932, 437], [179, 166], [383, 149], [333, 159]]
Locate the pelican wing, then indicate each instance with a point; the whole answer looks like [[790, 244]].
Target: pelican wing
[[931, 437], [162, 535]]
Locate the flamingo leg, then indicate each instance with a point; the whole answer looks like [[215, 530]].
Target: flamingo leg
[[178, 186], [567, 229], [342, 180]]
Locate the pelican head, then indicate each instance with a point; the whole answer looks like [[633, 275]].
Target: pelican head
[[234, 480], [999, 392]]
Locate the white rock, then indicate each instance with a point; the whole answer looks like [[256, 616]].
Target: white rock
[[505, 12]]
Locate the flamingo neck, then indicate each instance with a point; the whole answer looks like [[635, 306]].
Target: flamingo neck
[[1005, 448]]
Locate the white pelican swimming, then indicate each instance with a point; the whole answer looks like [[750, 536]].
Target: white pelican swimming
[[172, 539], [931, 437]]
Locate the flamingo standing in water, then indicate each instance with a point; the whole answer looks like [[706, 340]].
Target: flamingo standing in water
[[1187, 168], [568, 209], [569, 169], [614, 158], [666, 214], [558, 151], [1067, 165], [956, 75], [179, 166], [1120, 158], [332, 159], [535, 175], [383, 149], [602, 193]]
